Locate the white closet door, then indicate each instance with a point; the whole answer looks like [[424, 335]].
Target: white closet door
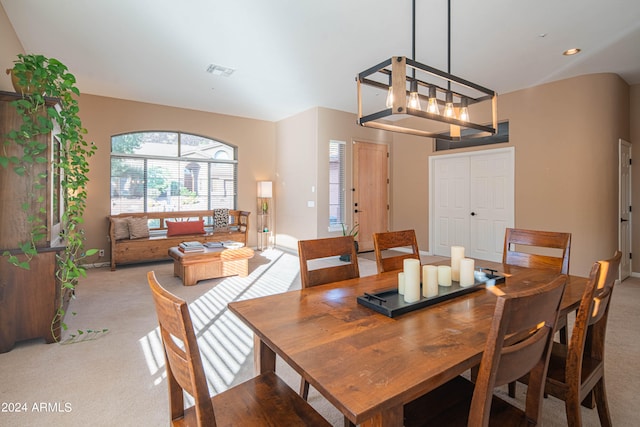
[[491, 204], [624, 231], [451, 219], [472, 202]]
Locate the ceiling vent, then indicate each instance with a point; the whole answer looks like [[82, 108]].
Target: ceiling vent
[[218, 70]]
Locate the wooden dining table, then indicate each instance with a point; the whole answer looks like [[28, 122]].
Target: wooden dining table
[[369, 365]]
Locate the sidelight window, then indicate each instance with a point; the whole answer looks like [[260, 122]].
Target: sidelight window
[[336, 185]]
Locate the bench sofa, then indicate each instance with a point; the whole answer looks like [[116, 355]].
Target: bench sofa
[[138, 237]]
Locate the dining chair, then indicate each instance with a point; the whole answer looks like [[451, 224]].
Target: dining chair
[[383, 242], [576, 370], [538, 249], [323, 254], [264, 400], [530, 316], [327, 268]]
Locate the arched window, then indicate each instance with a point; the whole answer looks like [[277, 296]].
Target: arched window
[[171, 171]]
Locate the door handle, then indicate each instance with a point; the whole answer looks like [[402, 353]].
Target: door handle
[[623, 220], [473, 214], [356, 211]]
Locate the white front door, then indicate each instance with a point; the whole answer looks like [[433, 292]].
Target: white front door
[[472, 202], [624, 228]]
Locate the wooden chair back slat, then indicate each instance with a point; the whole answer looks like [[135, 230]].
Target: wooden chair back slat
[[517, 315], [262, 400], [319, 250], [537, 249], [390, 240], [182, 355], [335, 271], [589, 329], [576, 371], [609, 270]]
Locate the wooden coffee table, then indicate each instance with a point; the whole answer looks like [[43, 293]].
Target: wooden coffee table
[[210, 264]]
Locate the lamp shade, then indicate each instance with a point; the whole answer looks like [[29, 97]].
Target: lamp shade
[[265, 189]]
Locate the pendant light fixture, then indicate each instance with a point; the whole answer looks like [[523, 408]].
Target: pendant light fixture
[[433, 101], [404, 81]]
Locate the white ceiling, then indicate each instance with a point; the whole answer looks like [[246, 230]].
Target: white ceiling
[[291, 55]]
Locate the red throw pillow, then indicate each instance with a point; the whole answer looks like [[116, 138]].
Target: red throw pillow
[[178, 228]]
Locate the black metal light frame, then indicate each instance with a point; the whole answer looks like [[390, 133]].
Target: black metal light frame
[[395, 70]]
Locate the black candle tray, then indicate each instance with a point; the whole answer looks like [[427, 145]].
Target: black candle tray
[[390, 303]]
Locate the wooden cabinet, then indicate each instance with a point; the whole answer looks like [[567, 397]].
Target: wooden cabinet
[[28, 298]]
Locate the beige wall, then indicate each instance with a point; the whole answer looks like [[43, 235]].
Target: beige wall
[[553, 156], [410, 186], [296, 174], [567, 161], [634, 113], [339, 126], [10, 47], [104, 117], [565, 134], [566, 140], [303, 171]]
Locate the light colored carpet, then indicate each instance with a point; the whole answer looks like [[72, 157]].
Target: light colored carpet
[[118, 379]]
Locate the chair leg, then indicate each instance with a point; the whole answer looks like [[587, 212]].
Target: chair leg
[[563, 335], [304, 388], [348, 423], [600, 396], [474, 373], [572, 407], [512, 389], [304, 392], [589, 401]]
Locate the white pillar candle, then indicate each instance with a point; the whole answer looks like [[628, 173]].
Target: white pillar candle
[[429, 281], [411, 280], [457, 253], [401, 283], [444, 275], [467, 265]]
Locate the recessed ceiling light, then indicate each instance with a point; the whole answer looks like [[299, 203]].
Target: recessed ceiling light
[[219, 70], [570, 52]]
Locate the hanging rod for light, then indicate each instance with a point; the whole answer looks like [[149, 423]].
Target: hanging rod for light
[[405, 115]]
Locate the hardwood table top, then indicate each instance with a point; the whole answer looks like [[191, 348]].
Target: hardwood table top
[[369, 365]]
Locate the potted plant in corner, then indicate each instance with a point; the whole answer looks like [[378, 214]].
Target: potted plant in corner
[[353, 231], [43, 145]]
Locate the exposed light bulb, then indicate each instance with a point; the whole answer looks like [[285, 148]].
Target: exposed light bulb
[[464, 109], [414, 99], [432, 107], [389, 102], [448, 106]]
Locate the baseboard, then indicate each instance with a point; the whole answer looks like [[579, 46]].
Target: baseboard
[[96, 265]]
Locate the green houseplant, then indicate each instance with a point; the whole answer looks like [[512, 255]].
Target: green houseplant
[[353, 231], [40, 78]]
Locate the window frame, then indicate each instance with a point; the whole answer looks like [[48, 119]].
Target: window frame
[[209, 164], [342, 182]]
